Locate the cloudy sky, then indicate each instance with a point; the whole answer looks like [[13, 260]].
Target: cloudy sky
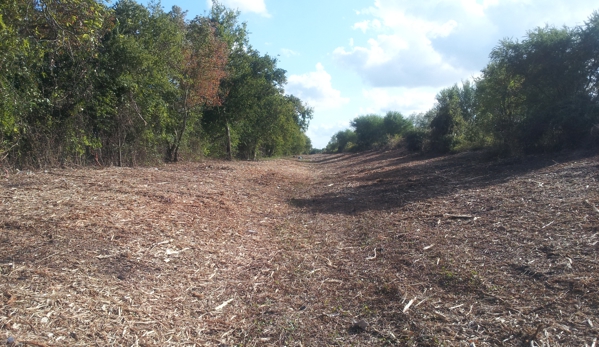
[[351, 57]]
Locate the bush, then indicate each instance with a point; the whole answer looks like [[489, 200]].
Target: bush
[[416, 139]]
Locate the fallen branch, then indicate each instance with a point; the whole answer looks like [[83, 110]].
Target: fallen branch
[[458, 216]]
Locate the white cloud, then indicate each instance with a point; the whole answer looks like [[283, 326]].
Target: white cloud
[[254, 6], [367, 24], [435, 43], [404, 100], [316, 89], [362, 25], [390, 60], [288, 52]]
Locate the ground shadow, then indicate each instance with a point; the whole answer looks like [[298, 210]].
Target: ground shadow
[[330, 158], [409, 179]]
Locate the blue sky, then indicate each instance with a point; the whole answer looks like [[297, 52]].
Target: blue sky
[[346, 58]]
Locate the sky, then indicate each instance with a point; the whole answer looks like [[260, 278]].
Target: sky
[[347, 58]]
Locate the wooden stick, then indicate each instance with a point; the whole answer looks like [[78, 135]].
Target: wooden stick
[[458, 216]]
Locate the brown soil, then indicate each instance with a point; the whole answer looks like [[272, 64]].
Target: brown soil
[[370, 249]]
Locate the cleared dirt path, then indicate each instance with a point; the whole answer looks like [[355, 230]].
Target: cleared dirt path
[[369, 249]]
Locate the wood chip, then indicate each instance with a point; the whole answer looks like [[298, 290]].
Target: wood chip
[[458, 216], [407, 307], [221, 306], [83, 262]]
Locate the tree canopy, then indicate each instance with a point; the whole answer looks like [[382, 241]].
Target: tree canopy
[[537, 94], [83, 82]]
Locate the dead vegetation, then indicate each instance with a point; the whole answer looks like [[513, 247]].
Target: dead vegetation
[[369, 249]]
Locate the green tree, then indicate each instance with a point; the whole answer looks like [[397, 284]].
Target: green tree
[[341, 141], [47, 50], [202, 68], [588, 47], [81, 81], [448, 123], [219, 119], [121, 108], [535, 94], [395, 124], [137, 111], [308, 149], [302, 113], [370, 131], [500, 105], [259, 99], [553, 85], [287, 125]]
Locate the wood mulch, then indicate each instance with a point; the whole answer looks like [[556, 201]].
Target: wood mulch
[[378, 248]]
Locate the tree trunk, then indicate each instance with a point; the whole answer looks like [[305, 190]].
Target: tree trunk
[[229, 152], [171, 153], [176, 154], [120, 152], [173, 150]]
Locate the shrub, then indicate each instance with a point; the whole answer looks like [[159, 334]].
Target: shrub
[[416, 139]]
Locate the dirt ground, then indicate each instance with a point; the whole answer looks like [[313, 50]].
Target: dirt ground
[[373, 249]]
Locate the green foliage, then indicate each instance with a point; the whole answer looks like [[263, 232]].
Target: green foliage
[[395, 124], [129, 84], [416, 139], [541, 94], [370, 131], [254, 117], [501, 105], [46, 49], [538, 94], [308, 149], [342, 141], [448, 123], [302, 113]]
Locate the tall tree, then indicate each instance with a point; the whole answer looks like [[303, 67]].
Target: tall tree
[[230, 110], [203, 68], [395, 123], [369, 130], [302, 113], [341, 141], [257, 100], [535, 94], [448, 124], [47, 49]]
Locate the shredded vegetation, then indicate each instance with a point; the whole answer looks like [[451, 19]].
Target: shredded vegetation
[[338, 250]]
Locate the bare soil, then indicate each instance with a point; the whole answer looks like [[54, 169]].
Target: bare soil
[[372, 249]]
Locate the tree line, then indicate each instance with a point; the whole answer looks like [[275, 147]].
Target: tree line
[[538, 94], [126, 84]]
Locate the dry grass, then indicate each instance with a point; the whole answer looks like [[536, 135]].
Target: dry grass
[[370, 249]]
